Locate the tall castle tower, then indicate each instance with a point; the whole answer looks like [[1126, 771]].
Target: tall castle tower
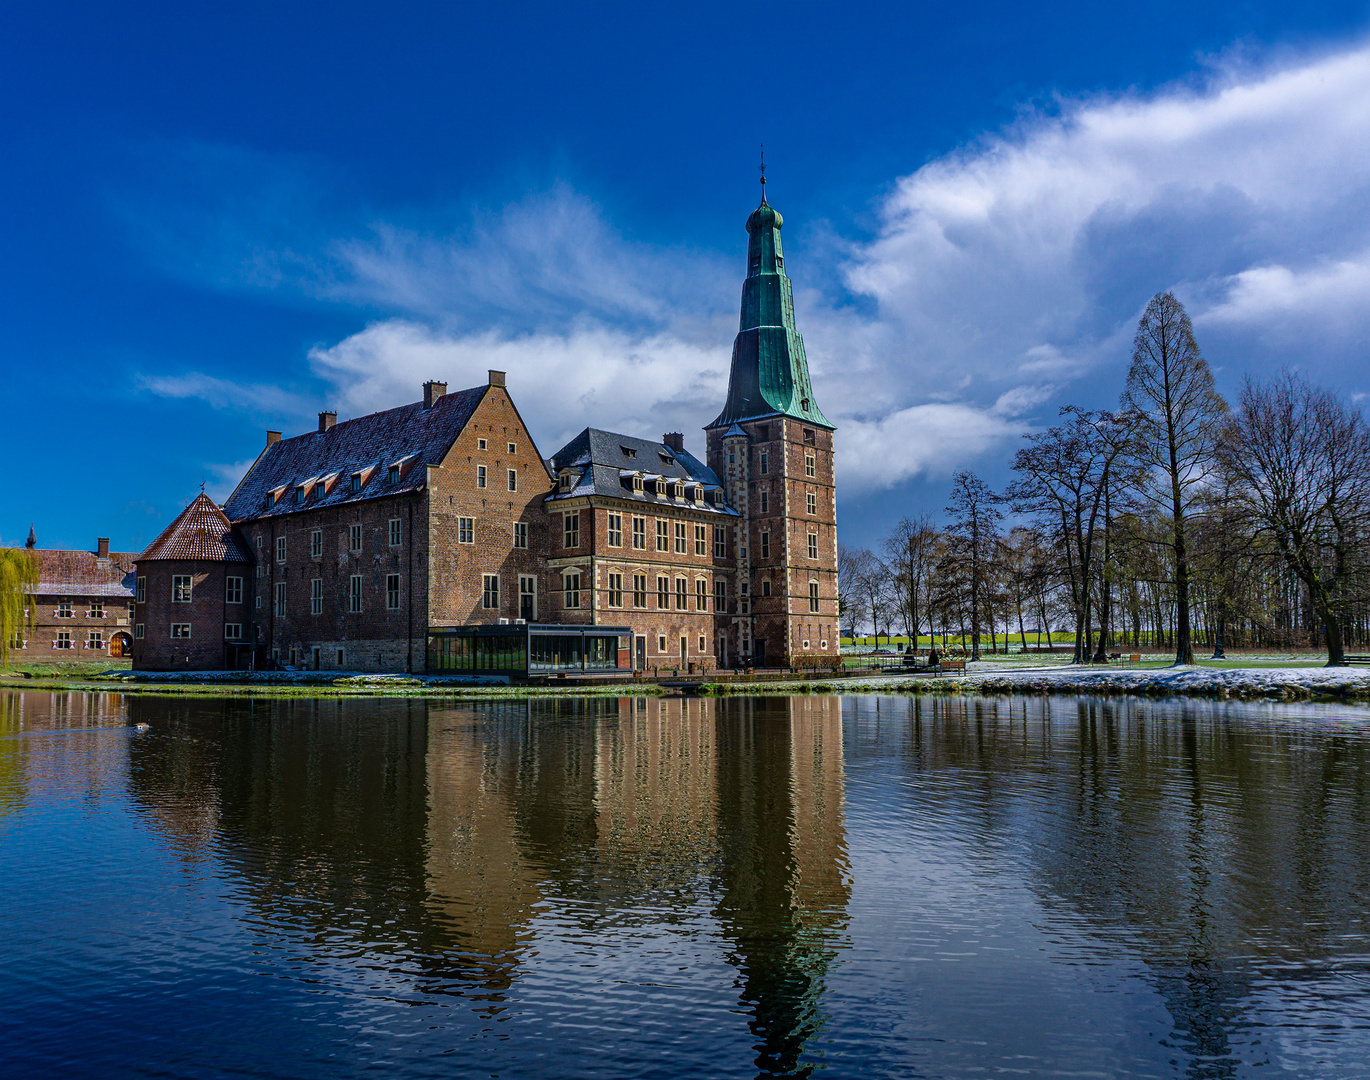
[[773, 449]]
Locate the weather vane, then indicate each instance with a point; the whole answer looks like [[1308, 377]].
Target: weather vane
[[763, 172]]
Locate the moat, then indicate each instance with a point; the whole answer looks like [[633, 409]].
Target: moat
[[617, 887]]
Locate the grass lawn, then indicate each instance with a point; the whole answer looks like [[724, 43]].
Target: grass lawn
[[57, 669]]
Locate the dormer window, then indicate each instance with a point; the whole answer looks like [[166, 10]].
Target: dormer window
[[808, 432], [356, 482], [566, 478], [699, 494], [666, 458], [270, 500], [320, 490], [299, 495], [637, 483], [392, 475], [628, 451]]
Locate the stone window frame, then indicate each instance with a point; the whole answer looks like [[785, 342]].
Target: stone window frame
[[395, 528], [521, 535], [570, 589], [813, 598], [63, 639], [233, 590], [764, 543], [702, 541], [139, 631], [513, 448], [639, 533], [95, 639], [765, 586], [614, 524], [141, 589], [480, 444], [682, 594], [466, 530], [316, 543], [532, 590], [513, 479], [316, 596], [354, 538], [354, 594], [663, 592], [765, 497], [663, 534], [233, 631], [180, 631], [810, 465], [639, 590], [182, 588], [281, 597], [720, 542], [280, 549], [615, 590], [682, 542], [810, 502], [720, 595], [392, 592], [661, 643], [765, 465], [570, 529], [480, 476], [701, 594], [813, 545]]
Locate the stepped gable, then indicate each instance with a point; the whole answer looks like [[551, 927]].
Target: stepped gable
[[410, 436], [607, 459], [202, 532]]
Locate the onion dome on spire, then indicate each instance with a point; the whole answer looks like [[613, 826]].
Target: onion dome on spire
[[770, 372]]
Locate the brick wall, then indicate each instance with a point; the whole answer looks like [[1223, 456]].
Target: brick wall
[[206, 613]]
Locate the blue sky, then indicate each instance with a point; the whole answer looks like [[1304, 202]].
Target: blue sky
[[217, 222]]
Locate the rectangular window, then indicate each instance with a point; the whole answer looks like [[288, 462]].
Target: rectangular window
[[233, 631], [64, 639], [520, 534], [489, 593], [720, 596], [571, 590], [720, 542], [701, 595], [396, 532], [233, 590], [97, 610], [661, 643], [480, 476], [354, 538], [663, 536], [639, 590], [280, 598], [766, 587], [701, 540], [813, 545], [765, 501], [640, 534], [315, 543], [316, 596], [480, 444], [811, 503], [615, 530], [765, 464], [280, 549], [682, 597], [392, 475], [180, 589], [64, 609], [180, 630], [765, 545], [702, 643], [808, 437], [142, 590], [813, 597], [570, 530], [354, 593], [356, 482], [513, 448], [95, 640], [513, 480], [139, 631], [392, 592], [809, 465], [466, 530], [663, 593], [615, 590], [680, 537], [528, 598]]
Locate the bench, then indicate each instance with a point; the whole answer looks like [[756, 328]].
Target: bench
[[1356, 659], [953, 665]]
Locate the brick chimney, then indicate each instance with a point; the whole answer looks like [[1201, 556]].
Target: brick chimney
[[272, 437], [496, 377], [432, 391], [326, 421], [675, 440], [102, 547]]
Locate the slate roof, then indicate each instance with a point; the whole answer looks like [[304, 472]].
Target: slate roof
[[410, 436], [84, 573], [201, 531], [607, 462]]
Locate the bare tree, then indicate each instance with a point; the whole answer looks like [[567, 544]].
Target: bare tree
[[1298, 458], [1178, 415], [974, 530], [911, 551], [848, 605]]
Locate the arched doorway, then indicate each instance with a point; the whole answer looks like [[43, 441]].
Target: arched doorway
[[120, 645]]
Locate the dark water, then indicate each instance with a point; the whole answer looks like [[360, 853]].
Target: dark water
[[849, 887]]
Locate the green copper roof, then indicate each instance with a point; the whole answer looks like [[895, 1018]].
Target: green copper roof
[[770, 372]]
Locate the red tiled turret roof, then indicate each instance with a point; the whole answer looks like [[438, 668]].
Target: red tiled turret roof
[[201, 532]]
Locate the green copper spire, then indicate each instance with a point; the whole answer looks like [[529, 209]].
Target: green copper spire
[[770, 372]]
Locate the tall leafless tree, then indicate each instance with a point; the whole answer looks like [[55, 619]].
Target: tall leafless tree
[[975, 517], [1178, 415], [1298, 458], [911, 551]]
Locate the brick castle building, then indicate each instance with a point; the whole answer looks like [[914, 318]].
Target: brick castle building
[[436, 537], [81, 607]]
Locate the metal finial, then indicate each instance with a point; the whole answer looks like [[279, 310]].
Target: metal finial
[[763, 174]]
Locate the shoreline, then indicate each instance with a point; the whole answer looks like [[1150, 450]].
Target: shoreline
[[1349, 685]]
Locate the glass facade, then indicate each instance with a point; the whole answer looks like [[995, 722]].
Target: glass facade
[[523, 650]]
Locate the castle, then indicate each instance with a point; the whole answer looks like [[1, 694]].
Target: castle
[[435, 537]]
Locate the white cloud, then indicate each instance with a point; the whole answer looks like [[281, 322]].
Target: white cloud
[[222, 393]]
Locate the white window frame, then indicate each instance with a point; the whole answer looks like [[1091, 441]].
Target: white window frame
[[233, 631], [281, 596], [280, 549], [354, 594], [354, 538], [521, 534], [615, 590], [139, 631], [702, 541], [813, 545], [316, 596], [663, 535], [489, 592], [142, 589], [639, 533], [813, 598], [392, 592], [180, 631], [810, 503], [396, 532], [182, 588], [639, 590], [570, 589], [615, 530], [466, 530], [316, 543], [480, 476], [513, 479], [720, 542], [233, 590], [681, 539], [570, 529]]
